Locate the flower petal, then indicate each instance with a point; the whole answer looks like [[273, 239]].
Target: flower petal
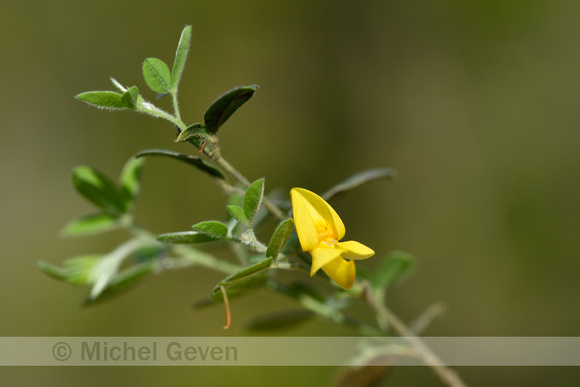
[[321, 257], [343, 272], [355, 250], [304, 222], [310, 211]]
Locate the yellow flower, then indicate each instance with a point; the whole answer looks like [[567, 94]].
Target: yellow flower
[[319, 230]]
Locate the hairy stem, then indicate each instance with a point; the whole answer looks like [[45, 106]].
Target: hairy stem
[[445, 374], [175, 105], [237, 176], [215, 155]]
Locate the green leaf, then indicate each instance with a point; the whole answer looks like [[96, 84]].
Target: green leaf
[[253, 198], [151, 252], [76, 270], [247, 272], [105, 270], [91, 224], [239, 288], [242, 277], [53, 271], [97, 188], [185, 237], [394, 267], [192, 160], [130, 98], [121, 282], [180, 57], [280, 237], [359, 179], [130, 181], [212, 228], [195, 131], [102, 99], [81, 268], [237, 213], [279, 320], [225, 105], [157, 76]]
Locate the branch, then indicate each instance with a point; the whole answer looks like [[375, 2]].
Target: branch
[[445, 374]]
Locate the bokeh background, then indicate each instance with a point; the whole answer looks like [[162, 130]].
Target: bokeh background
[[476, 104]]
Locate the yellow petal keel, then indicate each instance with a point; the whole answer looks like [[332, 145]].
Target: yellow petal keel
[[342, 272], [322, 257]]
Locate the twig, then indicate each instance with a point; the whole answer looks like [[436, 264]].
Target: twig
[[445, 374], [426, 318], [236, 175]]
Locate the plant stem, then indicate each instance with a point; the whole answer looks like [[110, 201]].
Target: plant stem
[[175, 105], [215, 155], [424, 320], [445, 374], [237, 176], [226, 166], [152, 110]]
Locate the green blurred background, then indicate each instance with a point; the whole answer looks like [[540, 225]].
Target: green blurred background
[[476, 104]]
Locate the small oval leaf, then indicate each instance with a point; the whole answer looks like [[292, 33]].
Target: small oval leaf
[[130, 181], [239, 288], [237, 213], [53, 271], [195, 131], [102, 99], [253, 198], [180, 57], [97, 188], [192, 160], [157, 75], [358, 179], [75, 270], [212, 228], [225, 105], [130, 98], [243, 277], [91, 224], [247, 272], [185, 237], [280, 237]]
